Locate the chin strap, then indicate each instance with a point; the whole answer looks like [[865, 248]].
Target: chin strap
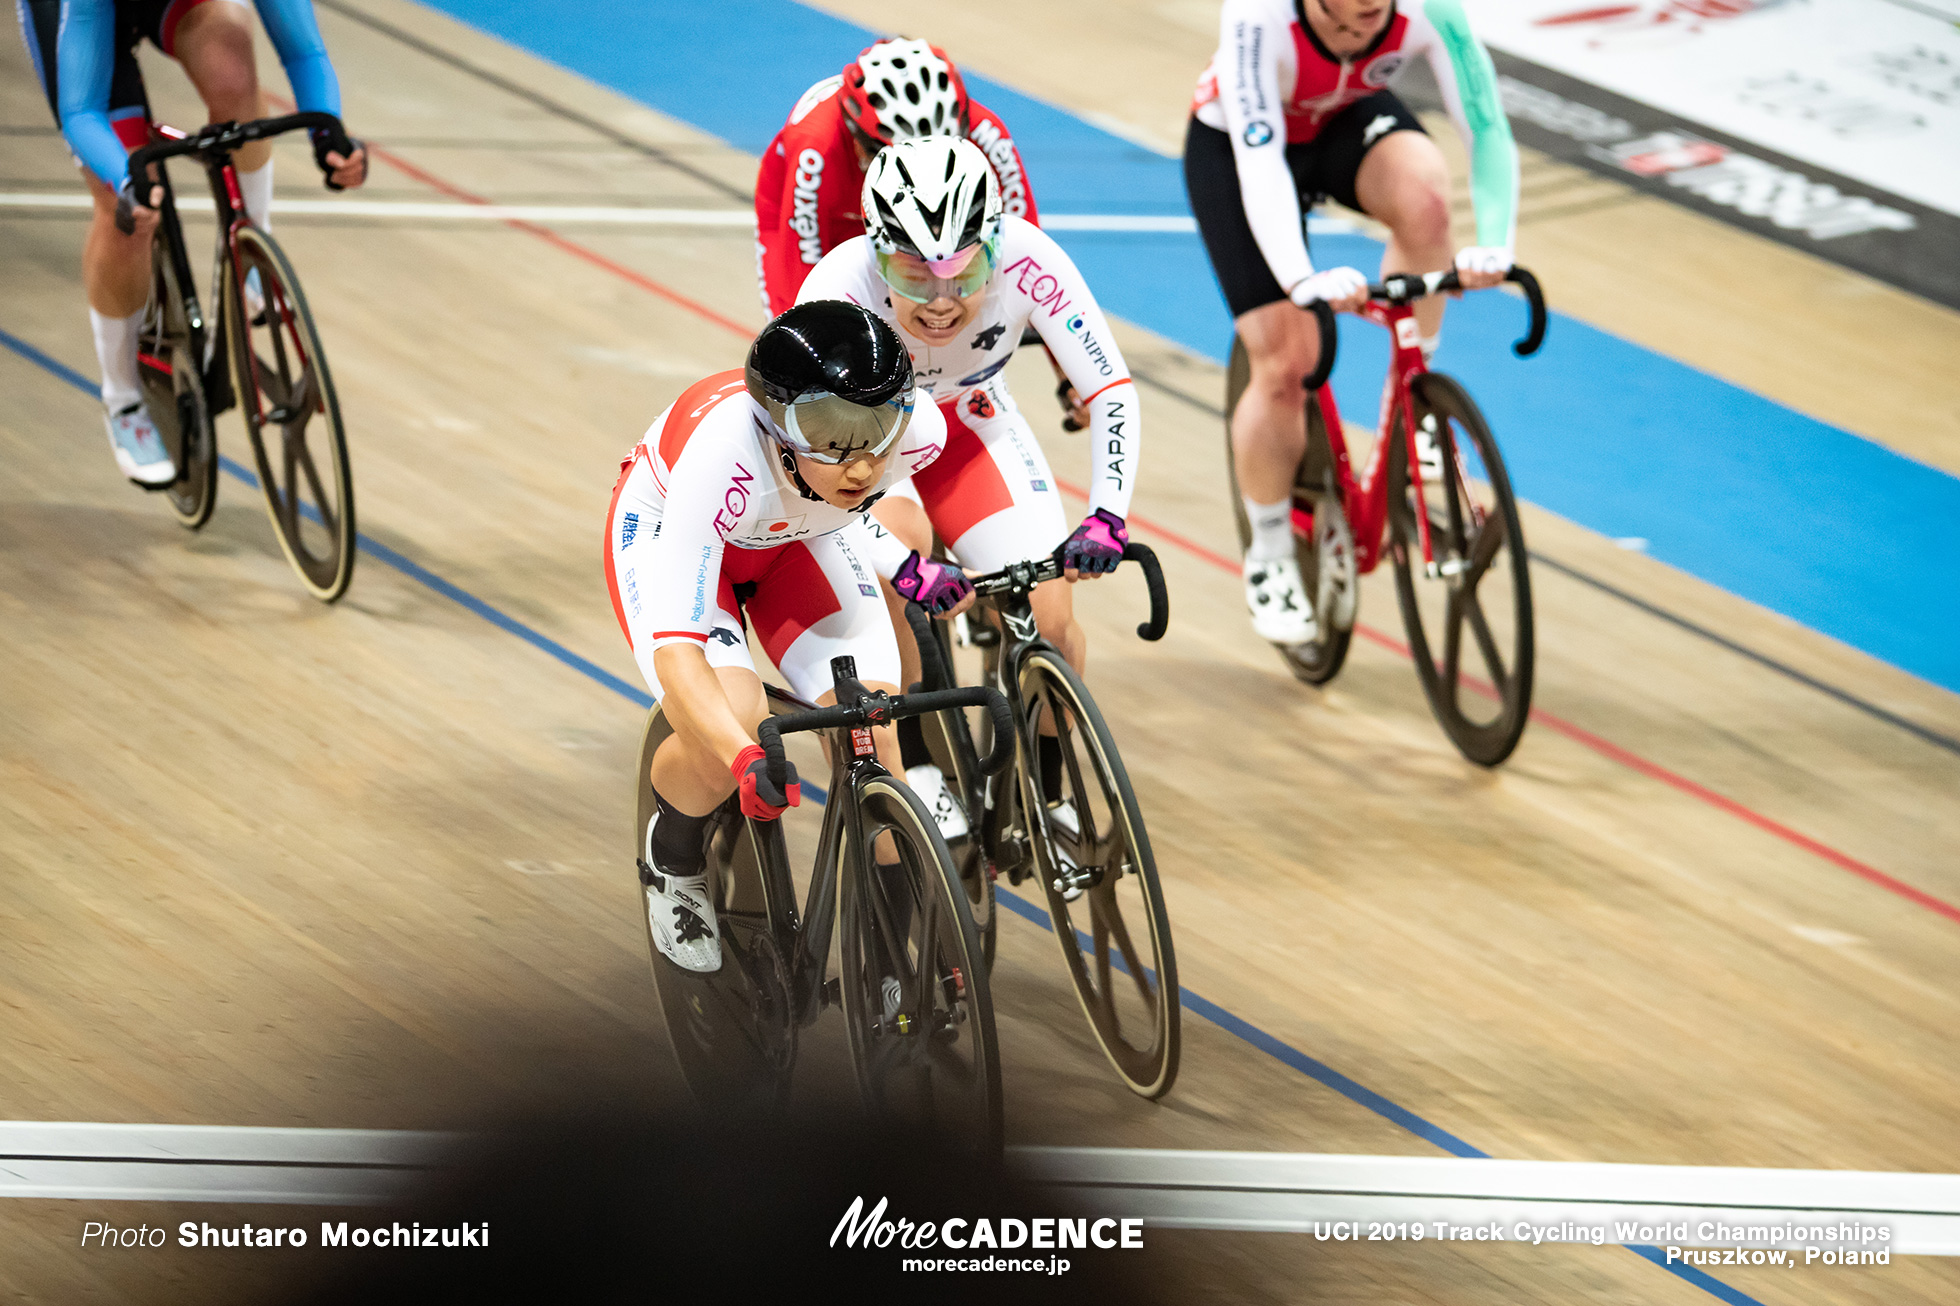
[[802, 486]]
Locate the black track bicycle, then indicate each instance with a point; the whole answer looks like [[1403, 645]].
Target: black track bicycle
[[259, 350], [924, 1050], [1080, 832]]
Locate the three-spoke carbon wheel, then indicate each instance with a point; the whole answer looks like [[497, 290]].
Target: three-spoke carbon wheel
[[286, 394], [913, 982], [1322, 543], [1475, 596], [1104, 897], [169, 357]]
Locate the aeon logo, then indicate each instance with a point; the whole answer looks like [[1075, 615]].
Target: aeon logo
[[734, 502]]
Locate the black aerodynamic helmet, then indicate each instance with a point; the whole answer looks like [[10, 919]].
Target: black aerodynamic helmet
[[835, 379]]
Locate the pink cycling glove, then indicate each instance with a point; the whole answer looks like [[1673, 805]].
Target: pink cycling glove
[[1097, 545], [934, 586]]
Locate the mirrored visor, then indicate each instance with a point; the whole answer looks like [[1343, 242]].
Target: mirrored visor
[[924, 280], [830, 429]]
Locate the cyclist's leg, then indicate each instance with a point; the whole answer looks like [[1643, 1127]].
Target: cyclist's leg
[[1379, 160], [1282, 342], [212, 39], [115, 267], [993, 499], [817, 600]]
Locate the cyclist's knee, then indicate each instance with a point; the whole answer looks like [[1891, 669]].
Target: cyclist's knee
[[214, 43]]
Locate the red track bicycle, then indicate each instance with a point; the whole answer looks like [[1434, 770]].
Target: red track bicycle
[[1452, 527]]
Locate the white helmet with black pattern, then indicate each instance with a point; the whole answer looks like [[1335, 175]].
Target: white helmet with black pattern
[[932, 211]]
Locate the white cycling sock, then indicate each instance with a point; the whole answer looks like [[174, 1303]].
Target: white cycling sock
[[1272, 528], [115, 351], [256, 187], [1428, 345]]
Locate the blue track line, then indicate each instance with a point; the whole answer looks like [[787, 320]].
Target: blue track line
[[1280, 1051]]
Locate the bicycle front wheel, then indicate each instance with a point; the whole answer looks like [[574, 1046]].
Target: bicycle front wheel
[[912, 980], [169, 357], [1475, 586], [292, 414], [1103, 893]]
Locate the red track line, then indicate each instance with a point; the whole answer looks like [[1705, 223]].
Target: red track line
[[1605, 747], [548, 236]]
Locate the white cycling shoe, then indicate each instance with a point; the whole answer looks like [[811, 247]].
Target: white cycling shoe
[[1277, 598], [139, 449], [680, 914], [929, 783]]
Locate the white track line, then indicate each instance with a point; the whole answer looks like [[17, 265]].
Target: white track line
[[1264, 1191], [620, 215], [1295, 1191], [209, 1163]]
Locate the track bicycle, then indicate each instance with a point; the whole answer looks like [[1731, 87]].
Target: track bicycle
[[927, 1055], [1085, 841], [1452, 525], [261, 347]]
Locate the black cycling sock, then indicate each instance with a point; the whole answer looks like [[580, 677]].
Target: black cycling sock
[[912, 750], [1051, 767], [677, 840]]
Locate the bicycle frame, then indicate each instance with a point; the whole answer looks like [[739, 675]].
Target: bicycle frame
[[1365, 501], [804, 942]]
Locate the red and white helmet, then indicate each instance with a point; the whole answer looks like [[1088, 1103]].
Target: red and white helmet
[[903, 89]]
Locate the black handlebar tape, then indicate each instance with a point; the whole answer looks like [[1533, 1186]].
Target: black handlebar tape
[[936, 673], [1160, 599], [1534, 336], [1323, 314], [972, 696]]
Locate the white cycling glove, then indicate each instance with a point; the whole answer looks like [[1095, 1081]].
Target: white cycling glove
[[1483, 258], [1333, 284]]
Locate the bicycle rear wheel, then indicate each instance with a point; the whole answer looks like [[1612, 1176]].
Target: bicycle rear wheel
[[1101, 880], [929, 1060], [170, 360], [732, 1030], [1480, 583], [1322, 545], [287, 396]]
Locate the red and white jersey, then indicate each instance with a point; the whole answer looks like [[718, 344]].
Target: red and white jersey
[[809, 189], [1037, 285], [716, 481], [1274, 83]]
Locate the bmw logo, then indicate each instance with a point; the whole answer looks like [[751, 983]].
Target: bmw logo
[[1258, 133]]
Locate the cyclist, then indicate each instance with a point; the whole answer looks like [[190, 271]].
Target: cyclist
[[806, 194], [732, 512], [1293, 109], [84, 52], [961, 280]]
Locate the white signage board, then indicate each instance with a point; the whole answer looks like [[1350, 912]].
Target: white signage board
[[1869, 89]]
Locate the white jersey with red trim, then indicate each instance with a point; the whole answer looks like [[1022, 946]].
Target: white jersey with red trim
[[1274, 83], [1037, 285], [716, 481]]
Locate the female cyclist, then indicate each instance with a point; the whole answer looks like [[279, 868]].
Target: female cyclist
[[960, 281], [730, 514]]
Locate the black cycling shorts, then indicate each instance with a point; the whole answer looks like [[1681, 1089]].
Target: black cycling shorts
[[136, 20], [1322, 168]]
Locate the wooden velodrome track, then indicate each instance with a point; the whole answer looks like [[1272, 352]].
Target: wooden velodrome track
[[263, 862]]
